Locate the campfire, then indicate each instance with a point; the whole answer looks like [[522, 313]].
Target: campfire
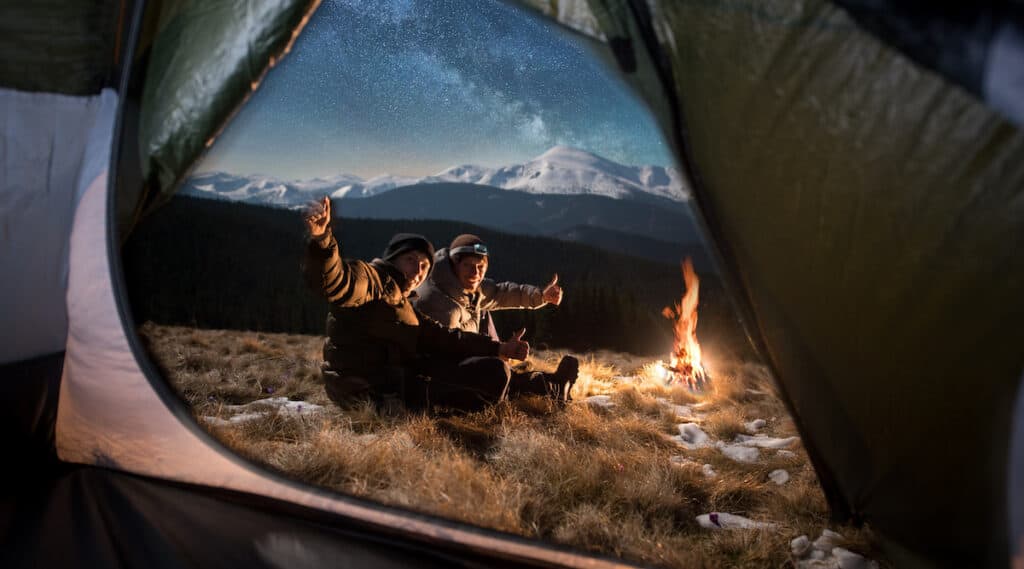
[[685, 363]]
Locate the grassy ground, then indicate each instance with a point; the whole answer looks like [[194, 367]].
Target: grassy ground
[[600, 479]]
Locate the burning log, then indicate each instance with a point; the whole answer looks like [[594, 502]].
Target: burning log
[[685, 363]]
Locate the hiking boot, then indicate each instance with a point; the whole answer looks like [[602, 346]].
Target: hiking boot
[[561, 381]]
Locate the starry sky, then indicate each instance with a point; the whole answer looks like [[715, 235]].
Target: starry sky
[[411, 87]]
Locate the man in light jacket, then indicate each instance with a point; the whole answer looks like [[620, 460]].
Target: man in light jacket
[[458, 295]]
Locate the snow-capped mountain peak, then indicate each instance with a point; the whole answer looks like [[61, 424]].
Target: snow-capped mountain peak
[[561, 170]]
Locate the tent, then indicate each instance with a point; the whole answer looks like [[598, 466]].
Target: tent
[[858, 167]]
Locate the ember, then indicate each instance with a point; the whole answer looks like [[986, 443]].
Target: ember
[[685, 364]]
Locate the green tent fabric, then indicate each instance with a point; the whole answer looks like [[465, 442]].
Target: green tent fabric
[[869, 213], [203, 59], [71, 47]]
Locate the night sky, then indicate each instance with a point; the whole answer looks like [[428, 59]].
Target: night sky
[[411, 87]]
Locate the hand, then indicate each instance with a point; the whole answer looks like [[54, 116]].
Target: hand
[[318, 217], [553, 293], [515, 348]]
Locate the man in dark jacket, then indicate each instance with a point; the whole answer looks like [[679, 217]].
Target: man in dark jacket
[[379, 346], [458, 295]]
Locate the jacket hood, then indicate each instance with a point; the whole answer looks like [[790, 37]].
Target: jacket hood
[[443, 275]]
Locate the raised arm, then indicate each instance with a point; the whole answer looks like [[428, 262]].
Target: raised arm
[[512, 295], [347, 283]]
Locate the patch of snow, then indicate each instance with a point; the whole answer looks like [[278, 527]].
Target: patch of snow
[[779, 476], [786, 453], [722, 520], [764, 441], [800, 545], [282, 404], [828, 540], [682, 412], [824, 553], [755, 425], [850, 560], [600, 401], [706, 469], [739, 453], [234, 420], [260, 408], [692, 436]]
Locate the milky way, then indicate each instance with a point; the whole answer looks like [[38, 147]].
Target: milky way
[[415, 86]]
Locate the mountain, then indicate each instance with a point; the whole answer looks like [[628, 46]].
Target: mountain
[[529, 214], [570, 171], [559, 171]]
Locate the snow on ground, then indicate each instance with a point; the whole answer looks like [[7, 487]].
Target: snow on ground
[[682, 412], [739, 453], [261, 408], [722, 520], [691, 436], [600, 401], [707, 469], [824, 553], [755, 425], [763, 441], [779, 476]]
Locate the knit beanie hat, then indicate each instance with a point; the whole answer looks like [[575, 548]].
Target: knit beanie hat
[[467, 244], [405, 242]]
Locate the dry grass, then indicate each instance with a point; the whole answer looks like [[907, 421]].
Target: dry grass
[[593, 478]]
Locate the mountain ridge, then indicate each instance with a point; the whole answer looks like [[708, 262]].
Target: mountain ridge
[[562, 170]]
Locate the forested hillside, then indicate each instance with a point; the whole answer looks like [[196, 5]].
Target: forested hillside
[[213, 264]]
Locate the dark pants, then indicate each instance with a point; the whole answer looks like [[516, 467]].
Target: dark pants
[[467, 385], [461, 385]]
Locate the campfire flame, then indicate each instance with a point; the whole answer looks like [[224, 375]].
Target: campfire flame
[[685, 364]]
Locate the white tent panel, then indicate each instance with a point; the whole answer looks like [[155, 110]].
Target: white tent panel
[[47, 150]]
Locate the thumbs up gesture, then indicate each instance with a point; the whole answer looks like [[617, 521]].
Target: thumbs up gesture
[[515, 348], [552, 293]]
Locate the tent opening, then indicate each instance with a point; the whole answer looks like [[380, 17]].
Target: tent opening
[[454, 119]]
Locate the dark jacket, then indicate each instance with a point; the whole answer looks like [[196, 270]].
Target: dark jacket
[[373, 331], [441, 297]]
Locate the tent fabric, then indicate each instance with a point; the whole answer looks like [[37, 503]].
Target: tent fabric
[[69, 47], [977, 45], [1004, 77], [869, 212], [205, 59], [52, 146], [1016, 478], [93, 517]]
